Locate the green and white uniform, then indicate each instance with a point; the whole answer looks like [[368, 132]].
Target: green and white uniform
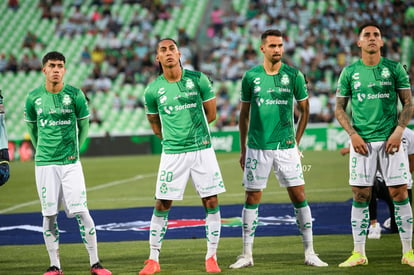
[[56, 116], [184, 129], [373, 93], [271, 126], [53, 125]]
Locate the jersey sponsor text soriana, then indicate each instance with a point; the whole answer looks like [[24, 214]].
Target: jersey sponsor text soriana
[[56, 116], [180, 107], [271, 100], [373, 92]]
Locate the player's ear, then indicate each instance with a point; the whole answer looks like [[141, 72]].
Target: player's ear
[[262, 48]]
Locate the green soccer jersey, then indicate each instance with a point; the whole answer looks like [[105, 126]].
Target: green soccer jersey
[[56, 117], [373, 92], [180, 107], [271, 99]]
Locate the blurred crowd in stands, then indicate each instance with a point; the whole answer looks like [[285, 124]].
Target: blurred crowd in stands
[[319, 43]]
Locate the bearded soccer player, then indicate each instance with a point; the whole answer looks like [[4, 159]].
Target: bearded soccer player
[[57, 116], [266, 122], [179, 105], [373, 85]]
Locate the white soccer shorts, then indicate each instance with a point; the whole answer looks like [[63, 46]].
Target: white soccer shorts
[[286, 165], [362, 168], [176, 169], [57, 184]]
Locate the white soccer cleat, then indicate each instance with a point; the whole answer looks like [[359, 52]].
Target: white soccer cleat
[[313, 260], [242, 261], [374, 231]]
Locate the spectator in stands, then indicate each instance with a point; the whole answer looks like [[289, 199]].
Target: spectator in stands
[[97, 55], [13, 4], [56, 10], [3, 62], [24, 64], [95, 116], [86, 55], [216, 18], [31, 40], [12, 64]]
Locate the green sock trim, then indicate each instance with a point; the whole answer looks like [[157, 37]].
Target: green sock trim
[[161, 213], [360, 204], [251, 206], [212, 210], [300, 204], [407, 200]]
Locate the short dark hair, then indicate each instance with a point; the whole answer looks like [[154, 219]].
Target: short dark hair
[[53, 56], [167, 38], [369, 24], [271, 33]]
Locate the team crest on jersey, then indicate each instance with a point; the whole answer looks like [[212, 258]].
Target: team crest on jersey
[[163, 99], [285, 80], [66, 100], [385, 73], [189, 84]]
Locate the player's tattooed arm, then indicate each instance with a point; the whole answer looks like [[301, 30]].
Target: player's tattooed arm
[[341, 115], [406, 113], [155, 122]]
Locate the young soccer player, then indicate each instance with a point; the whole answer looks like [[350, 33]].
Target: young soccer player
[[57, 116], [266, 123], [179, 105], [373, 85]]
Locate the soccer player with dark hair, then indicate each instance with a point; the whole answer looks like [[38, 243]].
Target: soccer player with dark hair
[[180, 104], [268, 139], [373, 85], [57, 116]]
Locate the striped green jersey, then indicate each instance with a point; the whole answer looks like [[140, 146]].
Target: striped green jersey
[[271, 99], [373, 93], [56, 116], [180, 107]]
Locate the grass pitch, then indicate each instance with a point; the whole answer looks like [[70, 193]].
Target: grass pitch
[[129, 181]]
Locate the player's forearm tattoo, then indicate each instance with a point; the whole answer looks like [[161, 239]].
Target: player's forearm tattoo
[[406, 113], [341, 115], [155, 125]]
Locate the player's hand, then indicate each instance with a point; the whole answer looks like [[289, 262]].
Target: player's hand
[[242, 159], [359, 144], [4, 166], [344, 151], [394, 141]]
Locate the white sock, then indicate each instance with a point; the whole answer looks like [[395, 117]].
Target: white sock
[[360, 224], [158, 228], [304, 223], [403, 219], [213, 228], [51, 237], [250, 216], [88, 234]]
